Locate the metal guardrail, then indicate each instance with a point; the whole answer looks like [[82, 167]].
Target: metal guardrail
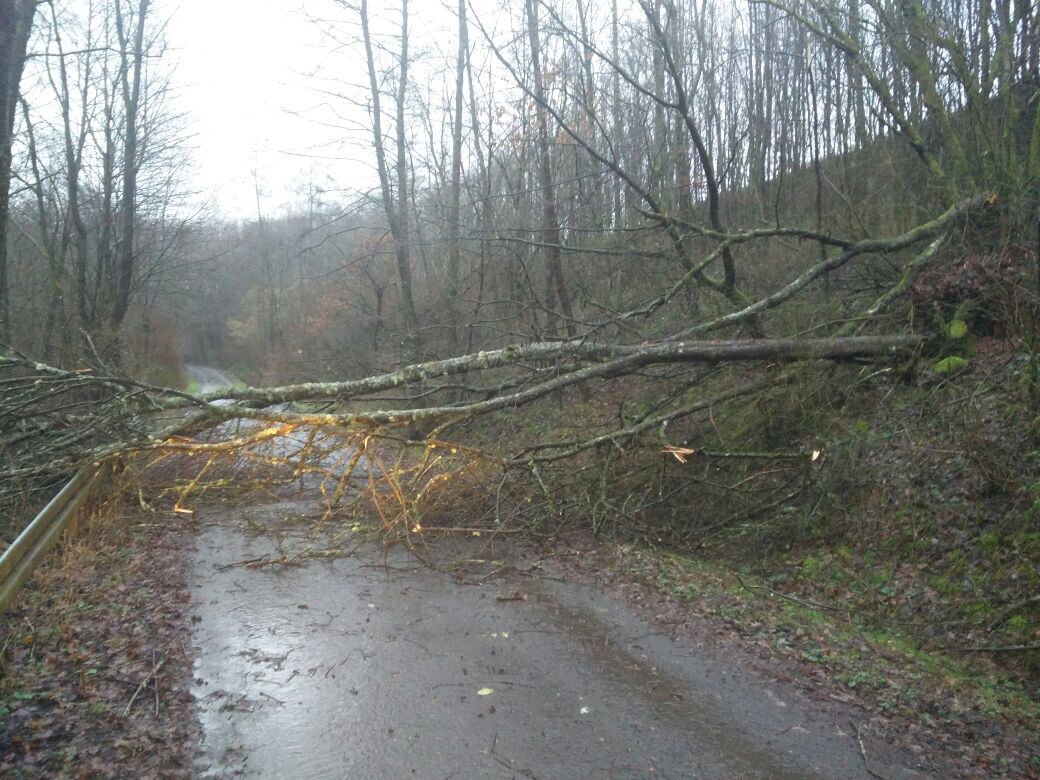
[[33, 543]]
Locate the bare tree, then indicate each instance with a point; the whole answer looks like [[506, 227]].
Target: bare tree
[[396, 207], [550, 237], [455, 207], [131, 48]]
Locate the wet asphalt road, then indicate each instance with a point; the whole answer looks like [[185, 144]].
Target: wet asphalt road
[[346, 668]]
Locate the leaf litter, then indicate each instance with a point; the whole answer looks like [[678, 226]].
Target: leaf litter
[[96, 663]]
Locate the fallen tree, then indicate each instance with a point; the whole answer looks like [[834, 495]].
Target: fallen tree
[[116, 413], [54, 420]]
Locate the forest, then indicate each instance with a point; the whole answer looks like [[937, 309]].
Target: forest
[[749, 285]]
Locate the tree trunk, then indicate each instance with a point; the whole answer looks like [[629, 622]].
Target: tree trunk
[[396, 209], [615, 104], [16, 19], [74, 230], [550, 219], [131, 84], [454, 210]]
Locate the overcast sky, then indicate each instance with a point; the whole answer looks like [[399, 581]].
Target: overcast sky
[[250, 75], [241, 71]]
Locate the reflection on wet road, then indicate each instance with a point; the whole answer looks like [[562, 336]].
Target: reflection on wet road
[[352, 668]]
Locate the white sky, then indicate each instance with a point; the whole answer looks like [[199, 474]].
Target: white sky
[[241, 71], [248, 77]]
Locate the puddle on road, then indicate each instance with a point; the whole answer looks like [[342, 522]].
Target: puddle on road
[[347, 668]]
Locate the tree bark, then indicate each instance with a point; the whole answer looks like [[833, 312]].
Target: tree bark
[[16, 20], [610, 359], [130, 78], [455, 208], [396, 208], [550, 217], [615, 111]]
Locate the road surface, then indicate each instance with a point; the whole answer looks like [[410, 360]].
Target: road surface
[[347, 667]]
